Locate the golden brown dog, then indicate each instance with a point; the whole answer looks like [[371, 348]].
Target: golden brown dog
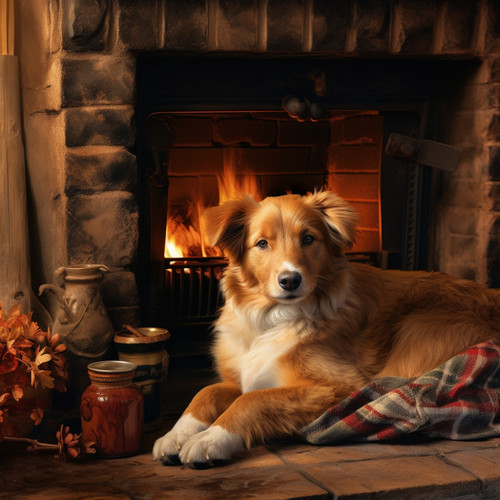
[[302, 327]]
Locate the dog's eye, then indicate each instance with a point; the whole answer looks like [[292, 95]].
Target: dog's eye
[[262, 243], [307, 239]]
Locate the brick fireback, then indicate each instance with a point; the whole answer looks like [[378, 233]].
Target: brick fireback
[[78, 64]]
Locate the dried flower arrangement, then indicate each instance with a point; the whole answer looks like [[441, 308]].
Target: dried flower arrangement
[[31, 357]]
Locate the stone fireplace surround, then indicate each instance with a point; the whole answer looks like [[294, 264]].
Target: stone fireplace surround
[[78, 59]]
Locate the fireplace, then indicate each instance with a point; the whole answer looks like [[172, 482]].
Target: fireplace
[[92, 73], [201, 121]]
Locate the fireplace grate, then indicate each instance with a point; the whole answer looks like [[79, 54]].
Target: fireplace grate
[[192, 289]]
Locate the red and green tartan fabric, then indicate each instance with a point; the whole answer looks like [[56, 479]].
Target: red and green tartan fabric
[[459, 400]]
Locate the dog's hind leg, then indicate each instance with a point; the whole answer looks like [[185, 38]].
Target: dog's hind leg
[[203, 410]]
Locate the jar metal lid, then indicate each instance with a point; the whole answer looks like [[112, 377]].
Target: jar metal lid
[[112, 366], [149, 335]]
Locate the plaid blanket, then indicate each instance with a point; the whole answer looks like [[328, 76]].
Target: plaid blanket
[[458, 400]]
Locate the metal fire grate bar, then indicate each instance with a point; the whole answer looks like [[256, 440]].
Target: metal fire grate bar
[[192, 288]]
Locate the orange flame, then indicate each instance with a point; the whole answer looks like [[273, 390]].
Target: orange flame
[[183, 238]]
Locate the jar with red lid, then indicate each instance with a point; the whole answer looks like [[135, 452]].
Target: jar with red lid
[[112, 409]]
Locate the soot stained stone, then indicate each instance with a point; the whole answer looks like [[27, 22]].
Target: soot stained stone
[[84, 24], [110, 171], [100, 126], [138, 23], [330, 24], [103, 228], [186, 25], [104, 80], [373, 26], [285, 35]]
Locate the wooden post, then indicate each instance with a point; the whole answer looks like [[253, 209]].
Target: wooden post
[[15, 276]]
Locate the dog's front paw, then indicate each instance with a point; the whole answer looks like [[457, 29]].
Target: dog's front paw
[[210, 448], [167, 447]]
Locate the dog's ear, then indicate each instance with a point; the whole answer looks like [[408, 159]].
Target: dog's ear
[[339, 216], [226, 226]]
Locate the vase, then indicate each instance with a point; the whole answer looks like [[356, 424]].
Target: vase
[[112, 409], [19, 412], [147, 351], [81, 319]]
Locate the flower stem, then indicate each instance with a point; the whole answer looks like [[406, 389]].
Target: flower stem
[[35, 445]]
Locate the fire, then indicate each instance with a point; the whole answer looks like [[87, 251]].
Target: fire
[[183, 235]]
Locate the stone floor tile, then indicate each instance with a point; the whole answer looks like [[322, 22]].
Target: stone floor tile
[[402, 477], [452, 446], [300, 454], [483, 463], [258, 474]]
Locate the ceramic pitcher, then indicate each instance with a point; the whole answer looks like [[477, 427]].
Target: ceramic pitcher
[[81, 319]]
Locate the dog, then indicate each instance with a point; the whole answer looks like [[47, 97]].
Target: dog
[[302, 327]]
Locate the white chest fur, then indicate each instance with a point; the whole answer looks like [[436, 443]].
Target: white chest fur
[[259, 364], [254, 355]]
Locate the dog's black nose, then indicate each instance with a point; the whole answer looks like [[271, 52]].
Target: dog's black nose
[[289, 280]]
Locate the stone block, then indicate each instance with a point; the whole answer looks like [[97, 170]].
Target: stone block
[[494, 196], [493, 255], [285, 36], [459, 27], [464, 193], [372, 26], [119, 288], [237, 25], [483, 464], [186, 25], [330, 24], [494, 129], [100, 169], [495, 71], [138, 24], [462, 221], [231, 131], [84, 24], [430, 477], [107, 79], [417, 25], [100, 126], [494, 166], [492, 33], [103, 228]]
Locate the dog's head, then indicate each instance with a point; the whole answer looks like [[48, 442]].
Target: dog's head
[[283, 246]]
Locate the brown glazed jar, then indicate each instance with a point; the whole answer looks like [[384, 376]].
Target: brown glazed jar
[[112, 409]]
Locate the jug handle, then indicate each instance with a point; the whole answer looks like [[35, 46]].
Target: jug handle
[[59, 293]]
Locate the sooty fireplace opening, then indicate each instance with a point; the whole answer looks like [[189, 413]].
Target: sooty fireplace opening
[[205, 120]]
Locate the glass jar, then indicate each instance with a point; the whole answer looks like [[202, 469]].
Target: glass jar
[[112, 409]]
